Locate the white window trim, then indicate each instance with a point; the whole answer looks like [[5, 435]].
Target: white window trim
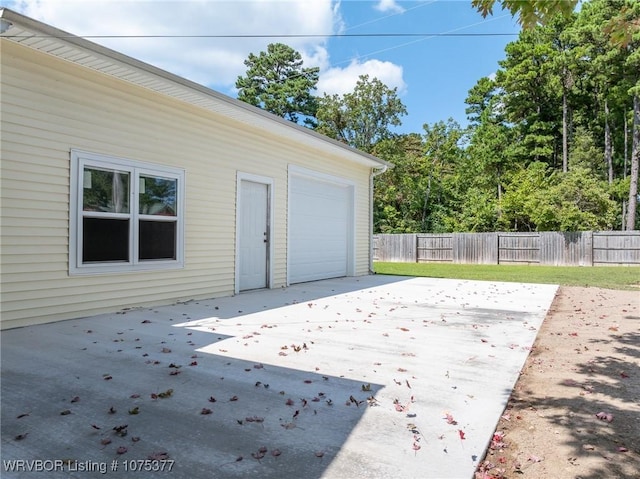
[[80, 159]]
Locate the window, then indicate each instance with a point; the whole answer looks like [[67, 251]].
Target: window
[[125, 215]]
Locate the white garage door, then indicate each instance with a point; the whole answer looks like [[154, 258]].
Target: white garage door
[[320, 229]]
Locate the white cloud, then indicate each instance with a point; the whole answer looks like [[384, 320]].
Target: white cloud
[[211, 61], [342, 80], [389, 6], [215, 62]]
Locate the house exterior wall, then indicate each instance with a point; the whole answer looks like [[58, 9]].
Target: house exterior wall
[[50, 106]]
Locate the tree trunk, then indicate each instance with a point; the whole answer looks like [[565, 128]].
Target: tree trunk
[[635, 160], [608, 153], [565, 140]]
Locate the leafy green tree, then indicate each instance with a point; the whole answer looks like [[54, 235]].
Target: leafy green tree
[[398, 193], [530, 12], [443, 153], [361, 118], [629, 17], [276, 81], [540, 199]]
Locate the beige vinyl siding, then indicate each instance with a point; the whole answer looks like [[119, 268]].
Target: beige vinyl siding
[[50, 106]]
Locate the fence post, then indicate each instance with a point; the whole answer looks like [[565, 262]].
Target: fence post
[[587, 239]]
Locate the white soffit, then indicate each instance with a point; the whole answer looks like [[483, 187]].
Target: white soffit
[[45, 38]]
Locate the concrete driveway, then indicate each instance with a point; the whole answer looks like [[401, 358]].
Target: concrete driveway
[[370, 377]]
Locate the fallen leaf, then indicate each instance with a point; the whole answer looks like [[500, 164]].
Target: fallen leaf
[[319, 454], [604, 416], [105, 441], [135, 410], [121, 450], [66, 412], [20, 437], [206, 410], [165, 394], [461, 434], [275, 452], [622, 449], [22, 415], [450, 420]]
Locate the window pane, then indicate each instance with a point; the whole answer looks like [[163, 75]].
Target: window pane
[[158, 196], [105, 240], [157, 240], [105, 190]]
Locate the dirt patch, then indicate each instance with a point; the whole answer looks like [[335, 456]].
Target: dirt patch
[[575, 410]]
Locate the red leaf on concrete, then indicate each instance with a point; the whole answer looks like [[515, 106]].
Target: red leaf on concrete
[[604, 416], [461, 434]]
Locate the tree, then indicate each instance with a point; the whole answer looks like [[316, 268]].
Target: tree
[[630, 20], [277, 82], [361, 118], [398, 194], [530, 12]]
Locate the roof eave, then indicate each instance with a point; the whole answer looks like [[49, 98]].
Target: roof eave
[[34, 34]]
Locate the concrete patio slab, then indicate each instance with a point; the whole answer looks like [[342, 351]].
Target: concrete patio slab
[[370, 377]]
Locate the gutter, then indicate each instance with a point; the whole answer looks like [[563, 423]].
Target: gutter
[[376, 171]]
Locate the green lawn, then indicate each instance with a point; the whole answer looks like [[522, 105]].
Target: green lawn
[[614, 277]]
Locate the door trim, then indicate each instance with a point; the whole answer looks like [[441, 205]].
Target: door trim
[[265, 180]]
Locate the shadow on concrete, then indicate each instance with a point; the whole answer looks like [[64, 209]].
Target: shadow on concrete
[[76, 393]]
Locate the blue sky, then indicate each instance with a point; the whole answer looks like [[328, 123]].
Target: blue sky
[[432, 73]]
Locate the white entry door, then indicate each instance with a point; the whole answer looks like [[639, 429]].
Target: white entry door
[[253, 235]]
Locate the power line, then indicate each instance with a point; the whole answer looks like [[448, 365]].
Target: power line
[[278, 35]]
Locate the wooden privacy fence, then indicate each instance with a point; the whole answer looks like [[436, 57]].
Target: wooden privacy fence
[[585, 248]]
